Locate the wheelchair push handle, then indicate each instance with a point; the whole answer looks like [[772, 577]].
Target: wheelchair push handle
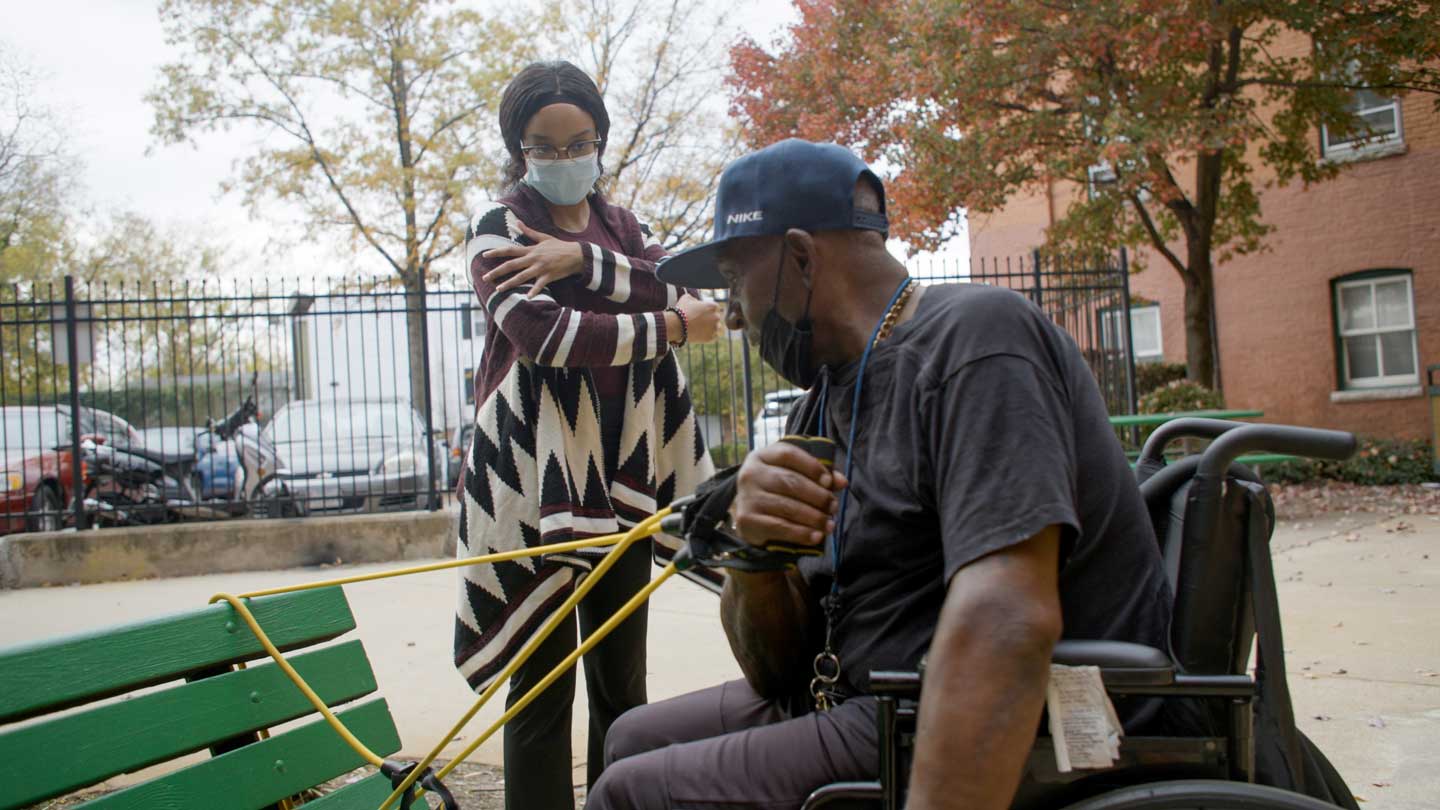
[[1334, 445], [1188, 427], [1234, 439]]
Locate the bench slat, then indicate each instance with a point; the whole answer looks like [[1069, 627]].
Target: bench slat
[[49, 675], [129, 735], [265, 772], [367, 794]]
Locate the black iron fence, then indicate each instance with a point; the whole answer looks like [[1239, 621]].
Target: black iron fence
[[205, 400]]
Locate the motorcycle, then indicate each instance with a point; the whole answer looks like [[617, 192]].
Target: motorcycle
[[121, 488], [255, 490]]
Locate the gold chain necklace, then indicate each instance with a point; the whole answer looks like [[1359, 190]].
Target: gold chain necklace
[[893, 316]]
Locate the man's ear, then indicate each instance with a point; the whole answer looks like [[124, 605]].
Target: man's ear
[[800, 245]]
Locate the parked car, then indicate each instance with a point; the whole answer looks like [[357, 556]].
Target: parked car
[[770, 424], [345, 455], [459, 448], [216, 466], [37, 470]]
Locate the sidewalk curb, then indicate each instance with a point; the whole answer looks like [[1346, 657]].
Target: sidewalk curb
[[189, 549]]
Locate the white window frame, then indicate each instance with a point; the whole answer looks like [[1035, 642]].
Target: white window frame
[[1359, 145], [1384, 380], [1111, 322]]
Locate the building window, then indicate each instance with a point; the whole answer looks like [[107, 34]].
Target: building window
[[1144, 332], [1375, 319], [468, 383], [1377, 127], [466, 322]]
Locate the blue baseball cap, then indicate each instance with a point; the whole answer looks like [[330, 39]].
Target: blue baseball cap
[[790, 184]]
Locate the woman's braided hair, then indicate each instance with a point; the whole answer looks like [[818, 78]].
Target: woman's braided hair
[[539, 85]]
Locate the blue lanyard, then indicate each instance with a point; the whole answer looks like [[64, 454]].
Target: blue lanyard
[[850, 445]]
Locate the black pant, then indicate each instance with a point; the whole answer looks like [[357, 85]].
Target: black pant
[[726, 748], [537, 740]]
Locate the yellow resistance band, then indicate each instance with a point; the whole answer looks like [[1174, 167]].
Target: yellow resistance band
[[646, 528]]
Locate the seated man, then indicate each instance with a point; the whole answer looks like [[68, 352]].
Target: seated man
[[985, 510]]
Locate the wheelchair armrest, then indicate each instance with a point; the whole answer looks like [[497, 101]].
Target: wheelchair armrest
[[1122, 666], [1121, 663]]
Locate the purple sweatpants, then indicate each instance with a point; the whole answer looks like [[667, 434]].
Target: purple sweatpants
[[726, 748]]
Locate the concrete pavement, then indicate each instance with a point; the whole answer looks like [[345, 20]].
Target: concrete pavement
[[1361, 598]]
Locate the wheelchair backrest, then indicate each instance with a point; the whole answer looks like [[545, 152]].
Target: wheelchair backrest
[[1211, 627]]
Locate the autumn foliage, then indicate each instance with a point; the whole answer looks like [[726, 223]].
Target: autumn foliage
[[1174, 103]]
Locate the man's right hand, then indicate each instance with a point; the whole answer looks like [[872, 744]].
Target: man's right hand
[[784, 494]]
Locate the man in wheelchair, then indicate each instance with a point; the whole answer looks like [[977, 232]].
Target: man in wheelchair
[[979, 512]]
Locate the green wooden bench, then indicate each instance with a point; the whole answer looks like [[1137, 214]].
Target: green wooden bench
[[59, 732]]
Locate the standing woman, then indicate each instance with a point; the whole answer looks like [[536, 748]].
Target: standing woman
[[584, 425]]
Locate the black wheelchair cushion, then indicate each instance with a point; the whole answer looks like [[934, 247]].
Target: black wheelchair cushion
[[1121, 662]]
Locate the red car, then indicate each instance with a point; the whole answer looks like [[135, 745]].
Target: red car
[[37, 476]]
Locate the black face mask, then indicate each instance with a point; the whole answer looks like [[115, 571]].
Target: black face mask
[[787, 347]]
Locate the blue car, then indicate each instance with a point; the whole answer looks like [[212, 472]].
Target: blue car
[[216, 469]]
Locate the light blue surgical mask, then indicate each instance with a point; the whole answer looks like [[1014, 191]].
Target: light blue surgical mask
[[563, 182]]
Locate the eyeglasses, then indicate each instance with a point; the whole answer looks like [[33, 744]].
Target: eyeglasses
[[574, 150]]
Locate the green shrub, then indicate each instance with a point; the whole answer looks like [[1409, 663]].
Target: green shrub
[[1150, 376], [1377, 462], [1173, 397], [1181, 395]]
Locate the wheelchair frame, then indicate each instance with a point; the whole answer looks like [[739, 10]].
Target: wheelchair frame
[[1213, 521]]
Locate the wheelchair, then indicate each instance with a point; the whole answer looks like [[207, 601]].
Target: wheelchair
[[1213, 518]]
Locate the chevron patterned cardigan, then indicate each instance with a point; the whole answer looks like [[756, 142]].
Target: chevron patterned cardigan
[[535, 473]]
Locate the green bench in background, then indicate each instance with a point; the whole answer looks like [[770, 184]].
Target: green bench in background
[[46, 751], [1141, 420]]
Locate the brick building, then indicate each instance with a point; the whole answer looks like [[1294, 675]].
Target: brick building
[[1334, 324]]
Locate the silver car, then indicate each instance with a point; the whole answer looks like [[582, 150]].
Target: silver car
[[345, 455], [769, 426]]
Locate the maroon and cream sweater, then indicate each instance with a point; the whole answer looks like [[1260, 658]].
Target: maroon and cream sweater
[[584, 426]]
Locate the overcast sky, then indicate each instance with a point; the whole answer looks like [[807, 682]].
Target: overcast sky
[[96, 60]]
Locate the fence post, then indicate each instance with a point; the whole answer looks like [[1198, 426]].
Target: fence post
[[77, 464], [749, 392], [432, 502], [1129, 336], [1039, 296]]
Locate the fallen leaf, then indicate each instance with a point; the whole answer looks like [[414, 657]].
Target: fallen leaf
[[1341, 672], [1377, 722], [1381, 784]]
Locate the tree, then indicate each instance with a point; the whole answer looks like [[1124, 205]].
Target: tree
[[1175, 104], [657, 62], [373, 112], [37, 177]]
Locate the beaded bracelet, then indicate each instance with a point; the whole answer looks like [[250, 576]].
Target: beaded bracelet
[[684, 327]]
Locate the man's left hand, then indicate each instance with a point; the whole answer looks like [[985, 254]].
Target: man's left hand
[[549, 259]]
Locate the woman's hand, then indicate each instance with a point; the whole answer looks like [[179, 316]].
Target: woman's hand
[[702, 319], [549, 259]]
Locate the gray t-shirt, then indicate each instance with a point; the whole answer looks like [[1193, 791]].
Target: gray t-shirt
[[980, 425]]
